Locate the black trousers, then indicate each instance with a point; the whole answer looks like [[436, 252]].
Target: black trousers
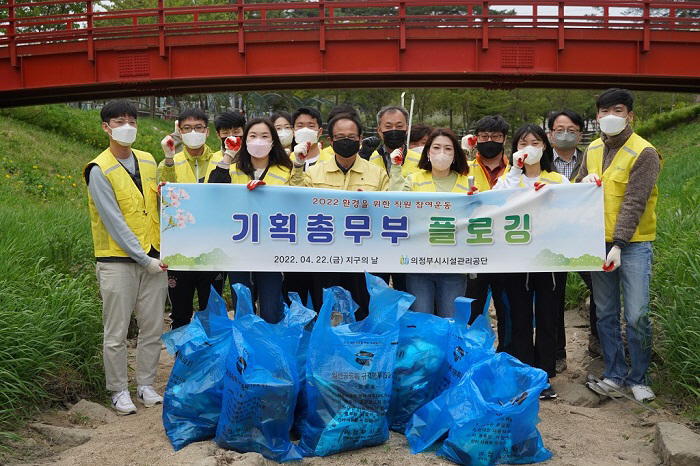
[[181, 288], [586, 277], [478, 289], [354, 282], [302, 283], [521, 289], [560, 292]]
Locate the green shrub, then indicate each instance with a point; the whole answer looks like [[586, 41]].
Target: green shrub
[[666, 120]]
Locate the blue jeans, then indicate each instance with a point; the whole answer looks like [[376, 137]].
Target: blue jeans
[[634, 277], [266, 287], [431, 287]]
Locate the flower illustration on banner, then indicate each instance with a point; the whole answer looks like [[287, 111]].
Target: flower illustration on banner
[[172, 200]]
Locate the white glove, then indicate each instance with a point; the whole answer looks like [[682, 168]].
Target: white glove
[[155, 266], [592, 178], [232, 145], [613, 260], [396, 156], [519, 159], [301, 152], [168, 145]]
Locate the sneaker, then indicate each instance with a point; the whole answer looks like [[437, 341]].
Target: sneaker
[[548, 393], [148, 396], [594, 346], [121, 402], [561, 365], [642, 393], [605, 388]]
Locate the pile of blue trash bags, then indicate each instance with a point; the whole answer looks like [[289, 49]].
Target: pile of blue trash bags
[[251, 385]]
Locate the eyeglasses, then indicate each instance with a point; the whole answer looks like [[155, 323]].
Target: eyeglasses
[[121, 122], [570, 131], [189, 129], [495, 137], [353, 137]]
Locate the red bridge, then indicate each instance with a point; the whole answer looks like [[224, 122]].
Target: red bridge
[[90, 53]]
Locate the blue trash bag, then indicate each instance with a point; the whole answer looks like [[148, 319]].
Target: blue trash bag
[[349, 372], [420, 365], [491, 416], [262, 383], [466, 347], [343, 305], [192, 401]]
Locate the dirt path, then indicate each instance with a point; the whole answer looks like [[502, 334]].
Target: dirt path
[[611, 433]]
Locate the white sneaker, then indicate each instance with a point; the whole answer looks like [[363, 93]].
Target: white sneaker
[[605, 387], [148, 396], [642, 393], [121, 402]]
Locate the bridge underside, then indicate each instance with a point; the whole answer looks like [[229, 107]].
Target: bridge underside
[[424, 57]]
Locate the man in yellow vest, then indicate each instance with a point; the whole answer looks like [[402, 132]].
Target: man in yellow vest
[[124, 216], [348, 172], [192, 165], [627, 166], [488, 165]]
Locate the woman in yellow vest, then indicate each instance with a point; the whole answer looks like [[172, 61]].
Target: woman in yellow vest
[[533, 167], [260, 160], [443, 168]]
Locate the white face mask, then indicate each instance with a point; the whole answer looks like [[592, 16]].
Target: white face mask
[[258, 148], [418, 149], [286, 136], [124, 135], [304, 135], [534, 154], [441, 161], [612, 124], [194, 140]]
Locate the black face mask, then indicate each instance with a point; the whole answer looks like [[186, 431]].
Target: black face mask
[[489, 149], [346, 148], [395, 138]]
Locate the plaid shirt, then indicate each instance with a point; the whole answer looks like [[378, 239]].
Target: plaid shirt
[[563, 167]]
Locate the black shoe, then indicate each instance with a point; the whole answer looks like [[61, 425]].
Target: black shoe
[[548, 394]]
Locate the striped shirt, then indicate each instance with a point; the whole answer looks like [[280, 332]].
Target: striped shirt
[[563, 167]]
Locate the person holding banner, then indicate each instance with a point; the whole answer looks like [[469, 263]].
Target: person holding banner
[[260, 159], [444, 169], [627, 167], [349, 172], [489, 163], [124, 217], [192, 165], [532, 167]]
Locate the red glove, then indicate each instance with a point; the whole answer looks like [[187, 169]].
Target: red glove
[[233, 143], [539, 185], [473, 190], [396, 156], [302, 151], [252, 184]]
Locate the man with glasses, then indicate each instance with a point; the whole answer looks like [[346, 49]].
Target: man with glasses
[[123, 204], [349, 172], [192, 165], [489, 164], [565, 134]]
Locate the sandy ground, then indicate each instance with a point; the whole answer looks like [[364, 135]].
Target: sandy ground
[[611, 434]]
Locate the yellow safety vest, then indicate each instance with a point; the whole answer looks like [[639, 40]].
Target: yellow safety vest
[[276, 175], [184, 172], [481, 180], [410, 163], [140, 211], [423, 181], [615, 180]]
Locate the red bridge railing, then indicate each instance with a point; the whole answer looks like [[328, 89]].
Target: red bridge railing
[[30, 23]]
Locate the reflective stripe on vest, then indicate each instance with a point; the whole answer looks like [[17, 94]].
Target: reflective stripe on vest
[[615, 180], [423, 181], [140, 211]]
